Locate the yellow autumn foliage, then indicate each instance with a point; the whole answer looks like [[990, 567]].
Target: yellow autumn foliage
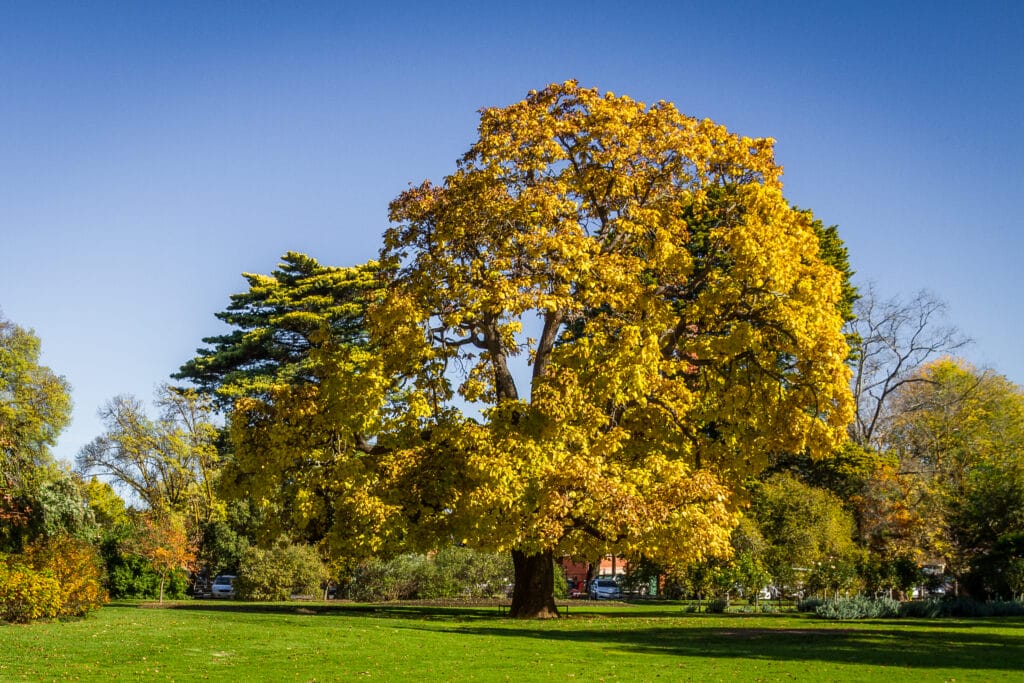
[[587, 335]]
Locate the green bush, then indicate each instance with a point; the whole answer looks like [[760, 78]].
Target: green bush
[[862, 607], [400, 578], [809, 604], [1003, 608], [450, 573], [465, 573], [924, 609], [130, 576], [279, 572], [763, 608], [718, 606], [859, 607]]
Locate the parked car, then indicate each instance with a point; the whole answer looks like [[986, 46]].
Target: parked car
[[224, 586], [604, 589]]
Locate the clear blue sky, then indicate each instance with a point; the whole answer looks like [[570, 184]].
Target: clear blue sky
[[151, 152]]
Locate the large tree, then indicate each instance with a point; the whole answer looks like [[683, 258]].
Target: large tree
[[687, 326], [582, 341], [604, 319], [35, 405]]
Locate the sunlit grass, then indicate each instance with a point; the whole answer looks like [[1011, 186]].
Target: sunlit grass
[[328, 642]]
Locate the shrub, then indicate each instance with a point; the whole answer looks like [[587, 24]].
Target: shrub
[[859, 607], [463, 572], [561, 587], [923, 609], [400, 578], [862, 607], [450, 573], [718, 606], [76, 566], [54, 577], [27, 594], [809, 604], [1005, 608], [279, 572]]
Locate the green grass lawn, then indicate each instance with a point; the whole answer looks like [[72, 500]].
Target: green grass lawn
[[206, 640]]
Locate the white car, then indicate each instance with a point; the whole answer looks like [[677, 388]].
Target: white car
[[604, 589], [224, 586]]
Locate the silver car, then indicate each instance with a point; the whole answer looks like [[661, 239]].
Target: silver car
[[224, 586], [604, 589]]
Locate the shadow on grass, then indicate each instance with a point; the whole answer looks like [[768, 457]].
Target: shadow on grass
[[975, 644], [913, 645]]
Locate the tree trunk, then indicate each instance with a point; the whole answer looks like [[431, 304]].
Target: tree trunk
[[161, 588], [533, 593]]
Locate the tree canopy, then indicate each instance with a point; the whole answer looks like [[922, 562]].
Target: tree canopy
[[35, 406], [580, 343], [265, 365], [808, 532], [959, 436]]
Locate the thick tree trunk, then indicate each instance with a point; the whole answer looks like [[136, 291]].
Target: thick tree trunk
[[533, 594]]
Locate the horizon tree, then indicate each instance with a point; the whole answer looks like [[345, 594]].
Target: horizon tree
[[170, 463]]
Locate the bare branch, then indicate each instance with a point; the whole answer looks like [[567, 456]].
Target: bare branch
[[893, 338]]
